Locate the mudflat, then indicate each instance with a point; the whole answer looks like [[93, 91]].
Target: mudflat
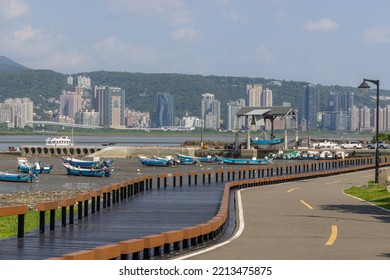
[[57, 184]]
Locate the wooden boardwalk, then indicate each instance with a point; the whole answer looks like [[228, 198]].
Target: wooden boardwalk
[[147, 213]]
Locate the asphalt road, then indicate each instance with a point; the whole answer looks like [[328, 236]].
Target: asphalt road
[[307, 220]]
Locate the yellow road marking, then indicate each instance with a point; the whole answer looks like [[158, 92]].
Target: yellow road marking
[[333, 236], [306, 204], [293, 189]]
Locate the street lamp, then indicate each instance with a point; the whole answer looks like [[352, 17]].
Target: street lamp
[[364, 85]]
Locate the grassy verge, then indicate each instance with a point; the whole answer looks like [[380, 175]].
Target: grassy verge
[[374, 193], [9, 225]]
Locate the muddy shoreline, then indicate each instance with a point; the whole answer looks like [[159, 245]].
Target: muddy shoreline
[[58, 184]]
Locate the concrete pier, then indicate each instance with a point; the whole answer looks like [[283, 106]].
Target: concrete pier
[[100, 151]]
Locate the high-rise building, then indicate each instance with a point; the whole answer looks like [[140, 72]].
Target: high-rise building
[[231, 120], [17, 113], [211, 111], [165, 110], [110, 103], [266, 98], [70, 103], [310, 106], [354, 120], [253, 95]]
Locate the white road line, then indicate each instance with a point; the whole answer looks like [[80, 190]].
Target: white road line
[[241, 226]]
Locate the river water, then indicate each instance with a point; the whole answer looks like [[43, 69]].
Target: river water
[[39, 140]]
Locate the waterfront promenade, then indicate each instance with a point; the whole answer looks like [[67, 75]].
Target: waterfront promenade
[[161, 209]]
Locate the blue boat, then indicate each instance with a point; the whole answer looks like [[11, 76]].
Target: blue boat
[[265, 141], [17, 177], [156, 161], [95, 163], [208, 159], [244, 161], [187, 161], [26, 166], [104, 171]]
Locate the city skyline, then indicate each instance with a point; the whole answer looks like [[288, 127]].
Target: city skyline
[[328, 43]]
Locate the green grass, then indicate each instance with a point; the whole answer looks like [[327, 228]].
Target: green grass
[[374, 193], [9, 225]]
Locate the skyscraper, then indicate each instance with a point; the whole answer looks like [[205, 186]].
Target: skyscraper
[[165, 109], [211, 111], [110, 103], [231, 120], [310, 106], [70, 103], [253, 95]]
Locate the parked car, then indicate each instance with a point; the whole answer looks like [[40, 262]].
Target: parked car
[[351, 145], [328, 145], [381, 145]]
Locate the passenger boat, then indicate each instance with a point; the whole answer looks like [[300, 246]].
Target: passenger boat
[[244, 161], [95, 162], [156, 161], [17, 177], [60, 141], [26, 166], [209, 159], [90, 172]]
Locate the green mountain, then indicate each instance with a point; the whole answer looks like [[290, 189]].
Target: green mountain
[[8, 65], [141, 88]]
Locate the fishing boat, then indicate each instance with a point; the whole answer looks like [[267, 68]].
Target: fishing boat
[[207, 159], [60, 141], [156, 161], [265, 141], [89, 172], [94, 163], [244, 161], [186, 161], [17, 177], [26, 166]]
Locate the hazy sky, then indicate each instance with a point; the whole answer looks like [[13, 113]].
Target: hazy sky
[[329, 42]]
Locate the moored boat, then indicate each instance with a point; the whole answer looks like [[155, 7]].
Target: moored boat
[[207, 159], [89, 172], [60, 141], [244, 161], [94, 163], [156, 161], [17, 177], [265, 141], [26, 166]]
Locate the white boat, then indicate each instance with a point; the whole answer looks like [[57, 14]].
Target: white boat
[[61, 141]]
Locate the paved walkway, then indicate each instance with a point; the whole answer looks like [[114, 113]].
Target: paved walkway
[[306, 220]]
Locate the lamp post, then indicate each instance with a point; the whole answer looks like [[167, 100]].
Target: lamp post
[[364, 85]]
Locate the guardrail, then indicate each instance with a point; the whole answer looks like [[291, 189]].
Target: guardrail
[[180, 240]]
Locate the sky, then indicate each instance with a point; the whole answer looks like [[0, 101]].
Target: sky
[[333, 42]]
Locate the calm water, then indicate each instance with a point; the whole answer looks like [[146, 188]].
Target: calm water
[[26, 140]]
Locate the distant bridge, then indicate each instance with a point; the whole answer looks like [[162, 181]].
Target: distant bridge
[[66, 124]]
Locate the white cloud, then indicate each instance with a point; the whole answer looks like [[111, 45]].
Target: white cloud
[[377, 35], [186, 34], [30, 40], [12, 9], [324, 24], [264, 54]]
